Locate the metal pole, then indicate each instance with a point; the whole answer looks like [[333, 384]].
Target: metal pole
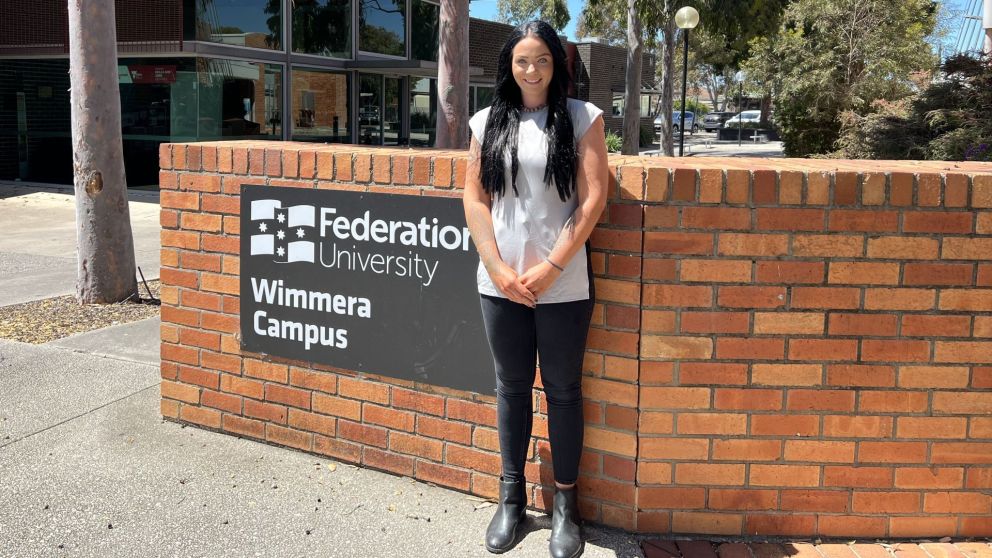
[[685, 77], [740, 112]]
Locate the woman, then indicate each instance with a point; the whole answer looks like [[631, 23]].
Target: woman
[[536, 185]]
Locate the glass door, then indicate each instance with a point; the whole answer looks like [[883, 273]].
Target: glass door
[[370, 109], [391, 111]]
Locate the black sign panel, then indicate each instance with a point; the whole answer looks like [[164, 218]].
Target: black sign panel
[[378, 283]]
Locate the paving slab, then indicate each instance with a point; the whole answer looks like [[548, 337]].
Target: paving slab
[[38, 244], [138, 341], [42, 386], [120, 481]]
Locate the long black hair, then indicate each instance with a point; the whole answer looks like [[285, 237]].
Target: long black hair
[[504, 119]]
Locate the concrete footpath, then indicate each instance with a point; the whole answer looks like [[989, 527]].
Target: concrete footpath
[[38, 244], [89, 468]]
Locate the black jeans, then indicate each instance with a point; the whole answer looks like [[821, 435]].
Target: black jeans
[[516, 335]]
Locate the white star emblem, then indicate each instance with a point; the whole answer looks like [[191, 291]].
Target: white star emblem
[[281, 235], [281, 217], [280, 252], [263, 228], [299, 233]]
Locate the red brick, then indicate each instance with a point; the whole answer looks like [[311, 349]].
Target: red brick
[[735, 244], [786, 374], [747, 399], [862, 220], [790, 272], [678, 243], [802, 323], [826, 297], [857, 477], [863, 273], [828, 245], [702, 373], [751, 297], [819, 451], [895, 350], [893, 401], [820, 400], [721, 218], [937, 274], [785, 425], [243, 426], [892, 452], [860, 375], [714, 322], [929, 477], [917, 325], [780, 219], [863, 324], [931, 427], [386, 461], [814, 500], [847, 426], [716, 271], [740, 449], [200, 415], [937, 222], [784, 475], [265, 411], [876, 502], [823, 349], [677, 296], [902, 248], [750, 348]]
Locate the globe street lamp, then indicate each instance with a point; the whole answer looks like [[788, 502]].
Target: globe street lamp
[[686, 18]]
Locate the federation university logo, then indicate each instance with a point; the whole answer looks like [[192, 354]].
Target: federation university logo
[[288, 233]]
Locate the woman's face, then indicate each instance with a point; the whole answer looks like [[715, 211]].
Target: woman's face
[[533, 66]]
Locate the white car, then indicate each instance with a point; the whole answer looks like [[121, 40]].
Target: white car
[[748, 117]]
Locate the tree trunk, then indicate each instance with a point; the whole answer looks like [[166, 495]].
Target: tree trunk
[[105, 259], [668, 89], [452, 76], [632, 92]]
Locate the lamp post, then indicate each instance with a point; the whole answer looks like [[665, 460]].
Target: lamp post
[[740, 106], [686, 18]]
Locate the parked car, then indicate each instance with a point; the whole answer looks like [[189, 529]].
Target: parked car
[[748, 117], [713, 121], [690, 122]]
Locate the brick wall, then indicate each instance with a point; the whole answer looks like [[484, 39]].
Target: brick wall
[[785, 347], [609, 65]]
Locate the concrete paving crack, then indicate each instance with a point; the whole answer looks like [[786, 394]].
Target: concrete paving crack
[[60, 423]]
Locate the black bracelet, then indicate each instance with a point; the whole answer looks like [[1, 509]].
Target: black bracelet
[[554, 265]]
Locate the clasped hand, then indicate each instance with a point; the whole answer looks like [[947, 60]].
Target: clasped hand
[[528, 286]]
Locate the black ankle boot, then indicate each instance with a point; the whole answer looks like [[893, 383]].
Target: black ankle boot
[[511, 513], [566, 525]]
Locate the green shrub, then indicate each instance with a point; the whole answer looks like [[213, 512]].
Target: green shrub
[[614, 143]]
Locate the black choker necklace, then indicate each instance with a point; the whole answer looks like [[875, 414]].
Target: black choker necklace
[[535, 109]]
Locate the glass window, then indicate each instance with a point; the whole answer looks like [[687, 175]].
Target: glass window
[[249, 23], [382, 26], [483, 97], [237, 99], [618, 104], [322, 27], [391, 111], [369, 104], [425, 27], [320, 106], [423, 112]]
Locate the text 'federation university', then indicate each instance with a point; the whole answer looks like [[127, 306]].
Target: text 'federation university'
[[294, 234], [290, 234]]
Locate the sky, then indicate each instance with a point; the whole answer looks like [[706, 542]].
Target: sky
[[486, 9]]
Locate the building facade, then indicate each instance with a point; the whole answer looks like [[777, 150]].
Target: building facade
[[335, 71]]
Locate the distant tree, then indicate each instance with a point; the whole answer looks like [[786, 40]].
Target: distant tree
[[828, 57], [106, 267], [947, 121], [516, 12]]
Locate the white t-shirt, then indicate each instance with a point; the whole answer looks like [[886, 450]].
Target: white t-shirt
[[527, 225]]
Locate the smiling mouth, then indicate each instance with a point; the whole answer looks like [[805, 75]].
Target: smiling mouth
[[532, 82]]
